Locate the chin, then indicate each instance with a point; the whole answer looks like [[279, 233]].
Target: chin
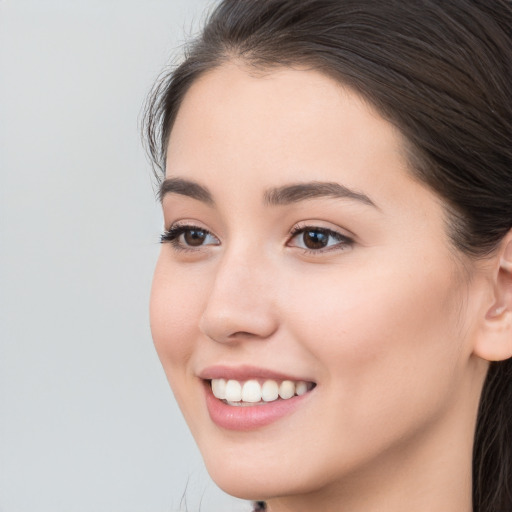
[[241, 475], [253, 484], [261, 478]]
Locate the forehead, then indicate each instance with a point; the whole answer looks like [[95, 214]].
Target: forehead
[[286, 115], [239, 132]]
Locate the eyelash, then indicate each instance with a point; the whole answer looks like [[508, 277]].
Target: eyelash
[[343, 242], [173, 234]]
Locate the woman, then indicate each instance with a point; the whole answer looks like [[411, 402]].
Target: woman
[[333, 300]]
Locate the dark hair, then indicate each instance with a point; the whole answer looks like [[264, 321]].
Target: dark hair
[[439, 70]]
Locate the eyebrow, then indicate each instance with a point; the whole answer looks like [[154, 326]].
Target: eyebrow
[[185, 188], [278, 196], [289, 194]]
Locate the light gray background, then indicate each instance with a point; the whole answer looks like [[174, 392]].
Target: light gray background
[[87, 421]]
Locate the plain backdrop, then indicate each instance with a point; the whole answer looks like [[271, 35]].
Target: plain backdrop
[[87, 420]]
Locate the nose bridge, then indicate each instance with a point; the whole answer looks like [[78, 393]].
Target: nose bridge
[[240, 300]]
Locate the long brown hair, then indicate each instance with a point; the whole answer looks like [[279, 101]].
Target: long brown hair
[[441, 71]]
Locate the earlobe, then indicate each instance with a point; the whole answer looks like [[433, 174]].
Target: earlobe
[[494, 342], [496, 311]]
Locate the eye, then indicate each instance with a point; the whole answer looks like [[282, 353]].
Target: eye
[[184, 237], [317, 239]]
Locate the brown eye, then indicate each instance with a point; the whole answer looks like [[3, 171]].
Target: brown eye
[[189, 237], [315, 239], [194, 237]]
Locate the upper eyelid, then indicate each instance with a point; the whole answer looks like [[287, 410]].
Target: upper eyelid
[[342, 232], [184, 227], [340, 237], [294, 231], [314, 227], [188, 224]]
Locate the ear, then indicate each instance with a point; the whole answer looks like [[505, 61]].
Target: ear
[[494, 342]]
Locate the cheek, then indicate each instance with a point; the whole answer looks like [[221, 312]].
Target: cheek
[[384, 340], [175, 308]]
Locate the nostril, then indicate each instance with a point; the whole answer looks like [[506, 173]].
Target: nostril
[[237, 325], [242, 334]]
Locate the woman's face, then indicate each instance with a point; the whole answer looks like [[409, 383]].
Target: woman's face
[[301, 249]]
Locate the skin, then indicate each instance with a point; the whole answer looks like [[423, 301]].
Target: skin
[[386, 326]]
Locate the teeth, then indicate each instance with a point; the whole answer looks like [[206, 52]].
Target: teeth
[[233, 391], [219, 388], [270, 391], [252, 391], [286, 389], [301, 388]]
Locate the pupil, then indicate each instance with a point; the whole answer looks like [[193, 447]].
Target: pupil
[[194, 237], [315, 239]]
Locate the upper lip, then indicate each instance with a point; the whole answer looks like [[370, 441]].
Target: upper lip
[[245, 372]]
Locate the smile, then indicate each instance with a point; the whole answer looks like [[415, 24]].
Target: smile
[[251, 400], [256, 392]]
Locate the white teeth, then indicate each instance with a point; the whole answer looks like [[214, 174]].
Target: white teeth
[[219, 388], [286, 389], [301, 388], [252, 391], [233, 391], [270, 391]]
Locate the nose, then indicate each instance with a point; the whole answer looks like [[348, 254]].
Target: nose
[[239, 304]]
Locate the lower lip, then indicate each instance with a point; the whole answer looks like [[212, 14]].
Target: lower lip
[[240, 418]]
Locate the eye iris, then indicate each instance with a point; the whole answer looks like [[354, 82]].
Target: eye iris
[[315, 239], [194, 237]]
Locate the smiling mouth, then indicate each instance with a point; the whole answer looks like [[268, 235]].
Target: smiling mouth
[[257, 392]]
